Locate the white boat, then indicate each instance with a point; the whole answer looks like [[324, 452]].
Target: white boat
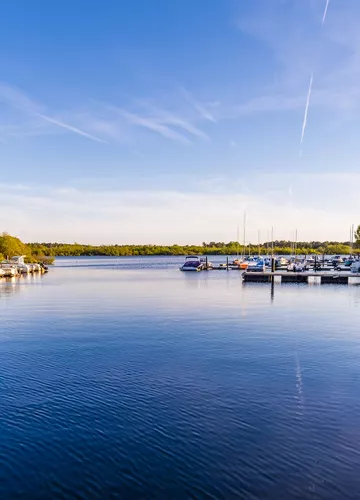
[[297, 266], [256, 266], [192, 263], [36, 268], [205, 263], [355, 267], [8, 268], [2, 273], [19, 262]]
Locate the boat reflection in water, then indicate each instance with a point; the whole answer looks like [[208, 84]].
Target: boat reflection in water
[[10, 286]]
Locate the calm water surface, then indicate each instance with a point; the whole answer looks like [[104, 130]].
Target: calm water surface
[[125, 378]]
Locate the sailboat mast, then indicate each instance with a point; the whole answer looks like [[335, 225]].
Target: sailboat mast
[[238, 243], [244, 233]]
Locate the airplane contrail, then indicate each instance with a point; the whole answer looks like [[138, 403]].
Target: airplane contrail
[[70, 127], [307, 107], [310, 85], [325, 12]]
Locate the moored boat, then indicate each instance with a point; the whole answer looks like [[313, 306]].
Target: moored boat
[[192, 263], [256, 266], [19, 262], [9, 270], [206, 263], [246, 263]]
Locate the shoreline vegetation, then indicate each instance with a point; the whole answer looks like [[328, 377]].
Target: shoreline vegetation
[[11, 246], [211, 248], [46, 252]]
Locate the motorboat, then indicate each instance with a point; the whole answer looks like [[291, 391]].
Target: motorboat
[[9, 269], [245, 263], [206, 263], [19, 262], [281, 262], [44, 269], [192, 263], [256, 266], [297, 266], [355, 267], [336, 260], [34, 268]]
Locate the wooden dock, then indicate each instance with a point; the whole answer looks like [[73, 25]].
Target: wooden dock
[[335, 278]]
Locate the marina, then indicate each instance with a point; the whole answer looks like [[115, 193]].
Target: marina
[[333, 270]]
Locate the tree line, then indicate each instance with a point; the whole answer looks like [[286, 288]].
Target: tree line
[[207, 248], [46, 252], [11, 246]]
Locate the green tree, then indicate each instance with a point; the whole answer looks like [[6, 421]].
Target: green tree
[[10, 246], [357, 237]]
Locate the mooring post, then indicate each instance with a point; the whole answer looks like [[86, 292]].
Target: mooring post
[[227, 263], [272, 264], [315, 265], [206, 263]]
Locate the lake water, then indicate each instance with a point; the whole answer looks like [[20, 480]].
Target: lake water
[[125, 378]]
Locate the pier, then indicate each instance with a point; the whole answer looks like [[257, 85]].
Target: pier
[[323, 278]]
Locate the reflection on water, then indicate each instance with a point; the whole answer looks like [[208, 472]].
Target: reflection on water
[[10, 286], [135, 382]]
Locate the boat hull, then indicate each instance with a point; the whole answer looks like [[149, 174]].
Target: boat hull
[[190, 269]]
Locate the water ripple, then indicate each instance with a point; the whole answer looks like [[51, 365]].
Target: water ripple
[[149, 386]]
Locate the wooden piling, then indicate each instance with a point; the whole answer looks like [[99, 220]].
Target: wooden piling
[[272, 264]]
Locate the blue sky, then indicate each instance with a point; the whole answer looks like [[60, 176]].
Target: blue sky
[[161, 122]]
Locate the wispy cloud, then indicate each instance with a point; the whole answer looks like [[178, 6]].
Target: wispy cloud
[[204, 113], [154, 125], [167, 215], [185, 125], [171, 119], [16, 98], [166, 123], [99, 121], [292, 34], [267, 103]]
